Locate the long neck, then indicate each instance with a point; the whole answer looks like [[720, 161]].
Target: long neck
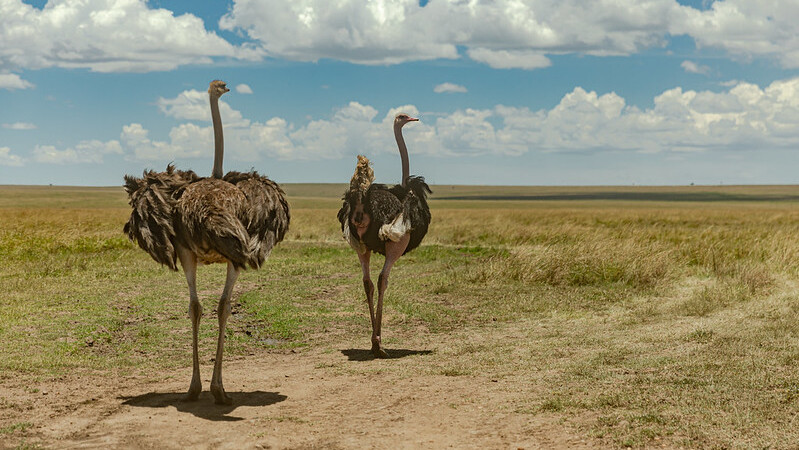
[[219, 140], [403, 153]]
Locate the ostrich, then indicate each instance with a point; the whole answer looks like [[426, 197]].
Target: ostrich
[[388, 220], [235, 219]]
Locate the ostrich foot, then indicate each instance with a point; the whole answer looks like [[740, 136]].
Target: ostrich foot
[[194, 391], [377, 350], [220, 397]]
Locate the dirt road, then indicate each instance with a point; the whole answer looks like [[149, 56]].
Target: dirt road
[[335, 397]]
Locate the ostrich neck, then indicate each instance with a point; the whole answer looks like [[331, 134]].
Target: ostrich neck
[[219, 141], [403, 153]]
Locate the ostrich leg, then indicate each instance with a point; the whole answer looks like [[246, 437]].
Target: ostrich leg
[[393, 251], [189, 263], [223, 311], [368, 287]]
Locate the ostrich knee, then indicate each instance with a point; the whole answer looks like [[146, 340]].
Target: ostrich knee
[[382, 282], [223, 311], [195, 310], [369, 288]]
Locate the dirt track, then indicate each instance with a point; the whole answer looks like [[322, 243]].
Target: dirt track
[[334, 398]]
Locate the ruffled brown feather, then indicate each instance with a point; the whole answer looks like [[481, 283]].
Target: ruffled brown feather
[[153, 198], [266, 214], [238, 219]]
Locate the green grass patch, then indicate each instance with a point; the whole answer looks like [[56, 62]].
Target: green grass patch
[[638, 316]]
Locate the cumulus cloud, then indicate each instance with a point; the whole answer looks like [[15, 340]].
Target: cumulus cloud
[[744, 28], [129, 35], [692, 67], [509, 33], [12, 81], [193, 105], [743, 117], [106, 36], [19, 126], [85, 152], [349, 127], [502, 33], [243, 89], [510, 59], [186, 141], [7, 159], [349, 30], [449, 88]]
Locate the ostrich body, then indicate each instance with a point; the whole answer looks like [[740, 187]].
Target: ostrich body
[[235, 219], [387, 220]]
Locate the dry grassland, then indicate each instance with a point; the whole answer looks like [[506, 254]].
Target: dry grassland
[[628, 317]]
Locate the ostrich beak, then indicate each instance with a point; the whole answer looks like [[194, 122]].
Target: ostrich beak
[[413, 119]]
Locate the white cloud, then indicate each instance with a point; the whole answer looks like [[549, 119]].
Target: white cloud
[[7, 159], [350, 126], [729, 83], [449, 88], [85, 152], [19, 126], [243, 89], [106, 36], [188, 141], [501, 33], [349, 30], [744, 117], [129, 35], [509, 33], [692, 67], [193, 105], [745, 28], [12, 81], [510, 59]]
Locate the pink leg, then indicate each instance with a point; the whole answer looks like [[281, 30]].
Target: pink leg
[[189, 263], [393, 251], [368, 287]]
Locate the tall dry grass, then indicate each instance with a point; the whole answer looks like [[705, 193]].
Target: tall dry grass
[[636, 323]]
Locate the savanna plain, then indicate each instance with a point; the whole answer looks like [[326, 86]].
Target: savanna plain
[[530, 317]]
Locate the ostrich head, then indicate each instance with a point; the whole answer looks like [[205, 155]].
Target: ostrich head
[[217, 88], [401, 119]]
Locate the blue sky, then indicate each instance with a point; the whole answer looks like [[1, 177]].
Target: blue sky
[[530, 92]]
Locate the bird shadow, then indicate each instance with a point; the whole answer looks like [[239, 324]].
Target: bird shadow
[[354, 354], [204, 407]]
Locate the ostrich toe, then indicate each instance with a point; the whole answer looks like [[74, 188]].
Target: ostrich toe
[[220, 397]]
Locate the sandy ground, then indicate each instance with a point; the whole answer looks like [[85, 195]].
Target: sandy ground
[[338, 397]]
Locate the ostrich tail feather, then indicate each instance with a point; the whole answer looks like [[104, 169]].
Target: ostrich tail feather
[[364, 175], [153, 199], [418, 186]]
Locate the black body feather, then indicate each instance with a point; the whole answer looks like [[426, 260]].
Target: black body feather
[[384, 204]]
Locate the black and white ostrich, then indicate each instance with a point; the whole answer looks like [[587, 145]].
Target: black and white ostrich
[[235, 219], [388, 220]]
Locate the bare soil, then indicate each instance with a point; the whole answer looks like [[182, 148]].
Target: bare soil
[[333, 397]]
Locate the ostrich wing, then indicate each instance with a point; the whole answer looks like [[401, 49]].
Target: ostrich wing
[[382, 204], [415, 203], [265, 214]]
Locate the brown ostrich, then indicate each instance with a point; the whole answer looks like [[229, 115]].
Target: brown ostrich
[[388, 220], [235, 219]]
